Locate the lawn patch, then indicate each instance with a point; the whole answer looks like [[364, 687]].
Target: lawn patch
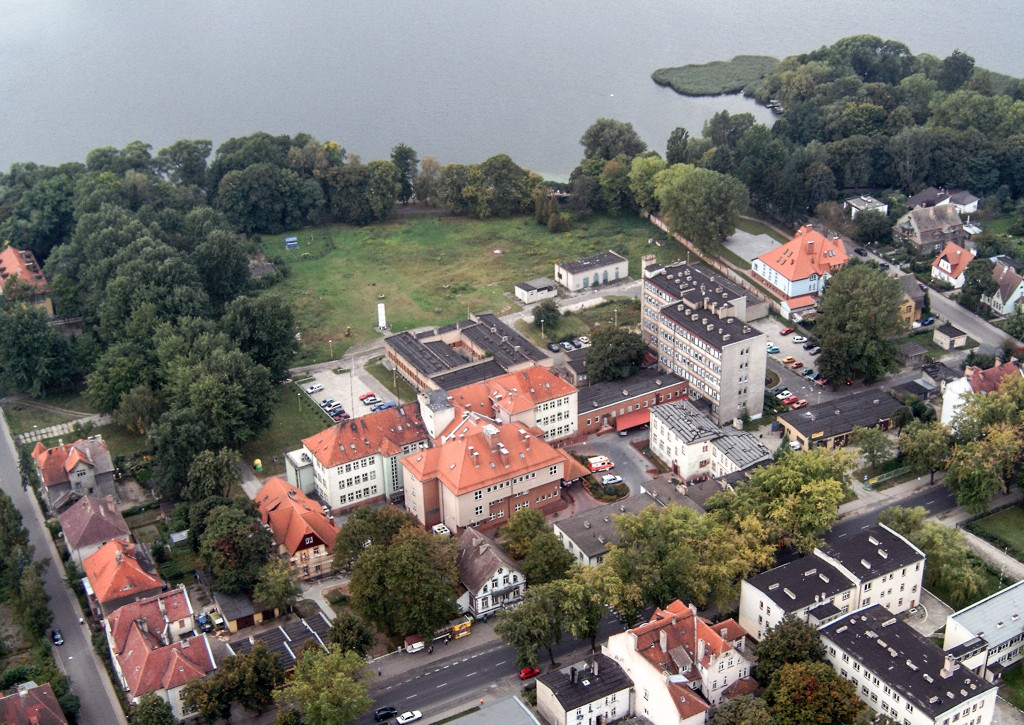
[[1004, 529], [24, 417], [119, 441], [1012, 689], [717, 77], [752, 226], [395, 384], [295, 416]]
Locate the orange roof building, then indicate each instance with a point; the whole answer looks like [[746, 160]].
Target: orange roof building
[[70, 471], [303, 532], [114, 577], [988, 381], [678, 654], [802, 265], [951, 264], [480, 472], [32, 704], [22, 266], [356, 462]]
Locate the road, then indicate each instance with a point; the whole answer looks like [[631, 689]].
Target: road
[[76, 657], [935, 499]]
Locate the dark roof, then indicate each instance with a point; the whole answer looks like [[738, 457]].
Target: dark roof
[[701, 491], [710, 328], [840, 416], [801, 583], [824, 611], [595, 261], [233, 606], [611, 678], [287, 640], [913, 388], [479, 557], [445, 354], [926, 197], [664, 493], [468, 374], [950, 331], [905, 659], [874, 552], [593, 531], [910, 349], [508, 346], [419, 355], [541, 283], [695, 283], [92, 521], [601, 395], [940, 372], [911, 288]]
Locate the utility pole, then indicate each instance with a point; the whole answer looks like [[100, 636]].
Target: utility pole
[[330, 346]]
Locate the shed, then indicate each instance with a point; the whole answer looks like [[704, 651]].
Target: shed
[[912, 355], [948, 337]]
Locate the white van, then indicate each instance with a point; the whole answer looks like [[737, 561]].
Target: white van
[[314, 388]]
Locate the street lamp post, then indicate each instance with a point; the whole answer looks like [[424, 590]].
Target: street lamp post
[[616, 318], [330, 347]]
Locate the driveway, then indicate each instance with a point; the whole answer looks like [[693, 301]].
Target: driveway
[[628, 462], [749, 246]]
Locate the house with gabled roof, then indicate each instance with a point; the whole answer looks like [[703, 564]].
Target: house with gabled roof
[[802, 265], [963, 201], [1009, 293], [912, 301], [927, 230], [20, 270], [70, 471], [596, 690], [91, 522], [32, 704], [951, 264], [304, 534], [114, 576], [492, 579]]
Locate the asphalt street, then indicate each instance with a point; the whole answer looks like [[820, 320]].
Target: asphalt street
[[935, 499], [75, 657]]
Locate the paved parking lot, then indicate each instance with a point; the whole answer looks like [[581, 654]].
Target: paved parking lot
[[628, 462], [346, 389]]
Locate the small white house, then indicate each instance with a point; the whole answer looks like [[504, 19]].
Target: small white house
[[951, 264], [491, 578], [592, 271], [536, 290], [859, 204], [596, 690]]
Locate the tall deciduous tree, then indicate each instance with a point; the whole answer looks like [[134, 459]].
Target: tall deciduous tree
[[811, 693], [546, 316], [151, 710], [675, 150], [859, 312], [537, 622], [873, 443], [276, 587], [234, 547], [212, 473], [522, 528], [327, 687], [614, 353], [547, 560], [926, 447], [351, 634], [788, 642], [701, 205], [642, 172], [607, 138], [741, 710], [264, 328], [404, 159], [427, 181], [32, 357], [368, 526]]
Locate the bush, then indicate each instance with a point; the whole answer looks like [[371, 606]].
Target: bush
[[16, 675]]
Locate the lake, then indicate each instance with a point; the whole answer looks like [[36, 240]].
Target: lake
[[455, 79]]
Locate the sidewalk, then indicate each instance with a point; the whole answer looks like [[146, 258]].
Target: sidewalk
[[406, 665]]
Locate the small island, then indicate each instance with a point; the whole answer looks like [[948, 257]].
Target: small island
[[718, 77]]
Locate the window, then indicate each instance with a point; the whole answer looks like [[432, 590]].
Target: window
[[478, 495], [478, 511]]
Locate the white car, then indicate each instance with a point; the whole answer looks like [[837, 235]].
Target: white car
[[411, 716], [314, 388], [783, 395], [610, 480], [799, 338], [584, 339]]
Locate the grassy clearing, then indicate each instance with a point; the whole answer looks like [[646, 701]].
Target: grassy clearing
[[735, 259], [1006, 529], [923, 338], [625, 310], [1012, 689], [717, 77], [120, 441], [22, 417], [294, 417], [180, 567], [752, 226], [71, 401], [402, 390], [417, 266]]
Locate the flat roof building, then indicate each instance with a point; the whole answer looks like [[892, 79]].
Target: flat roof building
[[828, 424], [592, 271], [988, 636], [536, 290]]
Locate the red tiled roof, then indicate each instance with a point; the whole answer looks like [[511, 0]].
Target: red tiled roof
[[56, 463], [291, 515], [795, 303], [365, 436], [988, 381], [958, 259], [743, 686], [147, 668], [32, 706], [20, 264], [807, 253], [688, 702], [114, 572], [512, 392], [91, 521], [156, 612], [683, 629]]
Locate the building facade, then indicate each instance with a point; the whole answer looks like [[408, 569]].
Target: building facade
[[988, 636], [1009, 291], [827, 425], [304, 534], [858, 204], [622, 404], [68, 472], [114, 576], [595, 692], [592, 271], [951, 264], [492, 579], [802, 265], [536, 290], [927, 230]]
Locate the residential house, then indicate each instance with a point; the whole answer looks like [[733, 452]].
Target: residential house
[[1009, 288], [91, 522], [588, 535], [974, 380], [356, 462], [481, 471], [810, 589], [32, 704], [802, 265], [574, 368], [304, 534], [963, 201], [596, 690], [949, 338], [493, 581], [928, 230], [901, 675], [859, 204], [950, 265], [829, 424], [536, 290], [912, 301], [68, 472], [461, 353], [627, 403], [987, 637], [151, 653], [238, 611], [681, 664], [20, 271], [695, 448], [114, 577], [592, 271]]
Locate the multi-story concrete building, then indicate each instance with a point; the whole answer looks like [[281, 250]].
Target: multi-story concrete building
[[988, 636], [356, 462], [594, 691], [481, 471], [903, 676], [699, 288], [626, 403]]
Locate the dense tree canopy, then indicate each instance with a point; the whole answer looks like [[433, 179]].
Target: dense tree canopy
[[233, 548], [699, 204], [614, 353], [607, 138], [327, 688]]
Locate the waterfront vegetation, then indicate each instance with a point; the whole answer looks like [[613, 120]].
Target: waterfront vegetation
[[717, 77]]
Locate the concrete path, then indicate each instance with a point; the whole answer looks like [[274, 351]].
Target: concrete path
[[61, 430]]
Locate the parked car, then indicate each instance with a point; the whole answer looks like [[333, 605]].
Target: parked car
[[553, 347], [788, 359], [786, 331], [777, 389], [372, 401], [385, 713], [576, 343], [314, 388], [610, 480], [411, 716], [883, 265], [860, 252], [783, 394], [58, 638], [338, 417], [205, 625], [814, 375], [929, 321], [566, 345], [799, 404], [796, 365], [809, 344], [384, 406], [816, 350], [528, 672], [821, 381], [369, 394], [584, 339], [790, 400], [799, 338], [772, 349], [807, 372]]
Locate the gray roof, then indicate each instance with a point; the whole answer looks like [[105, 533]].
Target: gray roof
[[508, 346], [437, 400], [479, 557], [596, 261], [864, 203], [906, 660], [950, 331], [940, 372], [601, 395], [688, 423], [742, 448], [419, 355], [997, 618], [835, 417], [933, 218], [541, 283], [611, 678], [92, 520], [593, 531], [801, 583], [874, 552], [287, 640], [695, 283], [912, 288], [909, 349], [710, 328], [467, 374], [664, 493], [508, 710], [233, 606]]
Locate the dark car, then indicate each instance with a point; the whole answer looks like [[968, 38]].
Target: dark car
[[815, 350], [860, 252], [883, 265], [929, 321], [809, 344], [553, 347], [385, 713], [58, 638], [777, 389], [576, 343]]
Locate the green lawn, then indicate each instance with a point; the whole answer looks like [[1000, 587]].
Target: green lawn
[[402, 390], [339, 273], [624, 310], [1006, 529], [735, 259], [120, 441], [71, 401], [22, 417], [1012, 689], [752, 226], [294, 417], [923, 337], [180, 567]]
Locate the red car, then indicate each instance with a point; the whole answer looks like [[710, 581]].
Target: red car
[[364, 396], [790, 400], [799, 404], [786, 331], [528, 672], [796, 366]]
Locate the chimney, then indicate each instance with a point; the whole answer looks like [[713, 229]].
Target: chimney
[[663, 640], [595, 668], [143, 624], [948, 667], [572, 675]]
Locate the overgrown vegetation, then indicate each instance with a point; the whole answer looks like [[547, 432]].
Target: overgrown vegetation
[[717, 77]]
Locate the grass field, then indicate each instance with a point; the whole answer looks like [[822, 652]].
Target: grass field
[[119, 441], [716, 77], [339, 274], [751, 226], [71, 401], [403, 391], [294, 417], [626, 310], [1013, 686], [22, 417], [991, 586], [1005, 528]]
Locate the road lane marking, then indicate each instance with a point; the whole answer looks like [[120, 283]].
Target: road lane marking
[[472, 673], [443, 684]]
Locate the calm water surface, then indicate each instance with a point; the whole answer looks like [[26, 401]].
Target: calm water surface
[[457, 79]]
